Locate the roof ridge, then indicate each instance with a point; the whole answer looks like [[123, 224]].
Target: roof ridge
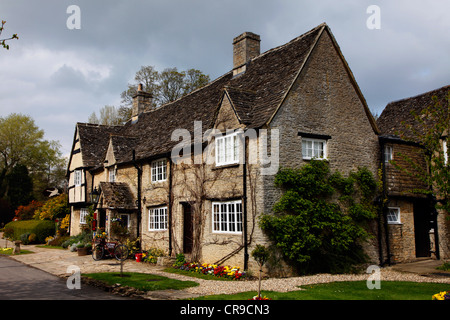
[[418, 95], [322, 25]]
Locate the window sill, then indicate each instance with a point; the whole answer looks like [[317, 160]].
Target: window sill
[[225, 166]]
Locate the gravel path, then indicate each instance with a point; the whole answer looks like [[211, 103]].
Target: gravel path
[[209, 287], [57, 261]]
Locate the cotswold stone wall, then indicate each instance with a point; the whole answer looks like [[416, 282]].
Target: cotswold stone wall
[[323, 101]]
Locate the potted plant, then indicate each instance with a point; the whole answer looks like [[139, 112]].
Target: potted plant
[[82, 249]]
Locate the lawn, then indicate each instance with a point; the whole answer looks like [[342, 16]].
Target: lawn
[[349, 290], [8, 251], [142, 281]]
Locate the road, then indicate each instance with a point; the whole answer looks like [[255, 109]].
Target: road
[[21, 282]]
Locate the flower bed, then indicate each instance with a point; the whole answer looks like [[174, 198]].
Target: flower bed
[[444, 295], [212, 269]]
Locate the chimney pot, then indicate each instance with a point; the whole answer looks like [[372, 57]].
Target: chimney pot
[[142, 101], [245, 47]]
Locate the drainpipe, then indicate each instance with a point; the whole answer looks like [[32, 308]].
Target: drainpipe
[[244, 204], [384, 207], [139, 212], [170, 206]]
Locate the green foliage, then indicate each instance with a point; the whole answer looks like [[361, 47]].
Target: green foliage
[[180, 260], [319, 221], [260, 254], [42, 229]]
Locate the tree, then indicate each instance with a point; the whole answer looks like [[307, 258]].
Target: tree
[[23, 143], [20, 186], [430, 129], [110, 116], [321, 218], [166, 86], [3, 41]]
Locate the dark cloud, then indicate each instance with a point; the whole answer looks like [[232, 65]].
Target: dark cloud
[[68, 74]]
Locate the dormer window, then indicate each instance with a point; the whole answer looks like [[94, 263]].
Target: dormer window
[[227, 149]]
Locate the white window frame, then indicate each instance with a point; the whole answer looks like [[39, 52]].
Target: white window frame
[[159, 170], [444, 146], [227, 149], [227, 217], [112, 174], [83, 213], [78, 177], [388, 154], [314, 142], [157, 219], [393, 212]]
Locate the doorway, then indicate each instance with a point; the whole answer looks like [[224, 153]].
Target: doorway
[[422, 227], [188, 236]]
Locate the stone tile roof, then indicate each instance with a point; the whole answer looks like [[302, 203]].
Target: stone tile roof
[[94, 140], [117, 195], [256, 95], [398, 112]]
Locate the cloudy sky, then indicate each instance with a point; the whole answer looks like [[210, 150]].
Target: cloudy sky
[[59, 76]]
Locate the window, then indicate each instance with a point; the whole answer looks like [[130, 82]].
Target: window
[[444, 145], [159, 170], [124, 220], [77, 177], [157, 219], [112, 174], [227, 149], [227, 217], [393, 215], [314, 149], [388, 154], [83, 213]]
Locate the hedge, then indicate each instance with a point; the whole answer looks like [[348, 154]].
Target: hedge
[[42, 228]]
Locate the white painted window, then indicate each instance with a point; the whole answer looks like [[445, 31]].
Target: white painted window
[[83, 213], [388, 154], [159, 170], [157, 219], [77, 179], [112, 174], [227, 149], [444, 145], [227, 217], [393, 215], [314, 148]]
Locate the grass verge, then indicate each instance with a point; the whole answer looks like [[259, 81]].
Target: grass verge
[[349, 290], [8, 251], [141, 281]]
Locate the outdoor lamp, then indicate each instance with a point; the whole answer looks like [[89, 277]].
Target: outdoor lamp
[[95, 195]]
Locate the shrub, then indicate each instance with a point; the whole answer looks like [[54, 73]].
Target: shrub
[[42, 229], [55, 207], [27, 212], [319, 222], [24, 238]]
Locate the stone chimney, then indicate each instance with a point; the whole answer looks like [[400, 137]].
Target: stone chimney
[[245, 47], [142, 101]]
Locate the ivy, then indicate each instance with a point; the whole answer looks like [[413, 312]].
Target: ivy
[[318, 223]]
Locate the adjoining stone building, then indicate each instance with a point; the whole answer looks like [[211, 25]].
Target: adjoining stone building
[[415, 228], [194, 175]]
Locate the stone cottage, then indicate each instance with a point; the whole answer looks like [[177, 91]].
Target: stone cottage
[[194, 175], [415, 228]]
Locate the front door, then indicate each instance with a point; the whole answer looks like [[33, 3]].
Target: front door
[[421, 229], [187, 228]]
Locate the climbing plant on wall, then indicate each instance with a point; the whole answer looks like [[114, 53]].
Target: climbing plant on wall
[[321, 219]]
